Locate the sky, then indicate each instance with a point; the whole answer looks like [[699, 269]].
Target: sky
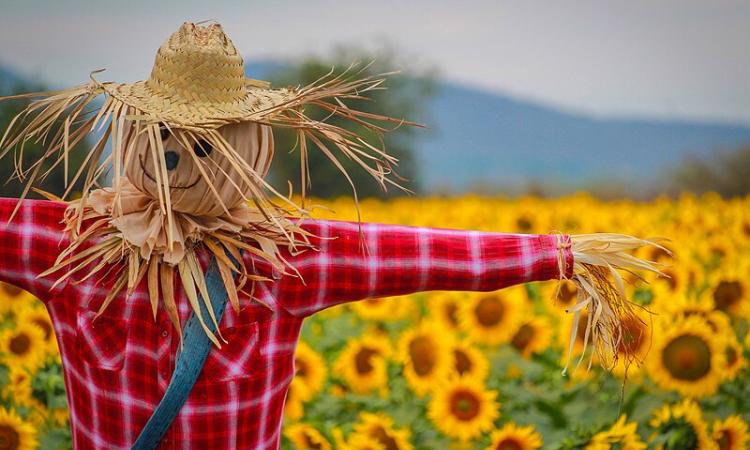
[[670, 59]]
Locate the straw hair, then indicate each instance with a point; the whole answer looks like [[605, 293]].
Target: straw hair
[[597, 260]]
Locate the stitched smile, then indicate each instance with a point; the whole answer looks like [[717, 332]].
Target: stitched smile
[[143, 167]]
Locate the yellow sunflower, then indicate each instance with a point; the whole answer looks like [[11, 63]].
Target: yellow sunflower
[[687, 357], [362, 442], [306, 437], [633, 347], [469, 361], [731, 433], [443, 307], [424, 351], [40, 318], [621, 435], [296, 396], [16, 433], [717, 249], [735, 360], [492, 317], [12, 297], [20, 392], [310, 368], [676, 280], [703, 307], [730, 293], [334, 311], [19, 385], [23, 345], [385, 309], [60, 416], [684, 425], [513, 437], [363, 364], [463, 409], [533, 336], [379, 427]]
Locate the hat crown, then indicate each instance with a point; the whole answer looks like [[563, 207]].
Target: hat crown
[[199, 64]]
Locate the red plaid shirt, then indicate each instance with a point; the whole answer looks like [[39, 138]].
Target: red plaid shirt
[[117, 367]]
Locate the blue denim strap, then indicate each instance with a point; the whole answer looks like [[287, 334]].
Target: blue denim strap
[[189, 362]]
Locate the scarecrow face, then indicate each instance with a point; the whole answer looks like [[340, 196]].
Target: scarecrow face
[[191, 168]]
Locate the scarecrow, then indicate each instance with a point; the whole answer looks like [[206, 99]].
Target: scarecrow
[[177, 293]]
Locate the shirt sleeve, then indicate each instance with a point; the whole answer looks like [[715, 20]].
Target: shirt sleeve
[[398, 260], [30, 243]]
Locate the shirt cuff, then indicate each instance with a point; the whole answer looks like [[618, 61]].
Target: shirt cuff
[[551, 245]]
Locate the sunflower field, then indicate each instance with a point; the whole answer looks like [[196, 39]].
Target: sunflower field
[[458, 370]]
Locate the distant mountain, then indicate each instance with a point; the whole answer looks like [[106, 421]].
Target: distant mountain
[[8, 79], [480, 136], [477, 137]]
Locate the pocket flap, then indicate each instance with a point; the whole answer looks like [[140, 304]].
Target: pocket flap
[[238, 358]]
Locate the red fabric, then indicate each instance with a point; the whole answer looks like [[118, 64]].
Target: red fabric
[[118, 366]]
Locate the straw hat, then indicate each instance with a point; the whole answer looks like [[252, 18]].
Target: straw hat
[[198, 78]]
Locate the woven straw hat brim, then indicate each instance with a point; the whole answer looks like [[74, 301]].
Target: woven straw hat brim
[[194, 112]]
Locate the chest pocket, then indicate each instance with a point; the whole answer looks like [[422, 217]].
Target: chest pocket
[[237, 359], [102, 340]]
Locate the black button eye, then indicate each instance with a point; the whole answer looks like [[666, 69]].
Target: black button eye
[[164, 132], [202, 148], [171, 159]]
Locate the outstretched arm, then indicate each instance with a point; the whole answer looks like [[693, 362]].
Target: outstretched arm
[[30, 243], [401, 260]]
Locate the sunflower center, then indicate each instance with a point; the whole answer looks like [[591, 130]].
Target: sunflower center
[[309, 442], [509, 444], [44, 325], [373, 302], [11, 290], [632, 337], [463, 362], [9, 438], [732, 356], [363, 360], [687, 358], [301, 367], [523, 337], [382, 436], [451, 313], [20, 344], [727, 294], [568, 293], [464, 405], [524, 224], [671, 278], [489, 311], [422, 353], [657, 254], [725, 440]]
